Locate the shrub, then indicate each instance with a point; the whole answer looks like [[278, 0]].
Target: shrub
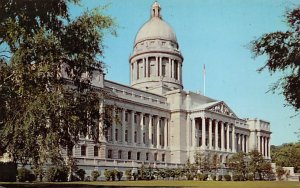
[[25, 175], [113, 174], [250, 177], [190, 176], [202, 177], [227, 177], [128, 174], [237, 177], [107, 174], [80, 173], [119, 175], [95, 174], [213, 177], [220, 178], [56, 174]]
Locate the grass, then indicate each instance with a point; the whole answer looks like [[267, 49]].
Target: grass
[[202, 184]]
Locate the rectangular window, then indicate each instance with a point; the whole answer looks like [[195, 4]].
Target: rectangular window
[[163, 70], [116, 134], [126, 135], [126, 116], [138, 156], [144, 121], [163, 157], [129, 154], [109, 154], [83, 150], [144, 138], [120, 154], [147, 156], [135, 136], [135, 118], [155, 156], [96, 151]]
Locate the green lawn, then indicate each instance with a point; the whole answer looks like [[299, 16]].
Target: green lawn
[[203, 184]]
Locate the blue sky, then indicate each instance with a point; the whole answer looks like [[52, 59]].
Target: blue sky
[[216, 33]]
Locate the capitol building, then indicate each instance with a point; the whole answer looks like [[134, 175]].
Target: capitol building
[[160, 124]]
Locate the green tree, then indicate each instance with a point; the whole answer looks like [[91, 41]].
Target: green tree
[[95, 175], [287, 155], [43, 112], [238, 164], [282, 50], [256, 164]]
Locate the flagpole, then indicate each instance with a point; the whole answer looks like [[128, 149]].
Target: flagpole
[[204, 79]]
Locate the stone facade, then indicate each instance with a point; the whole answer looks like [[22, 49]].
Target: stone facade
[[161, 124]]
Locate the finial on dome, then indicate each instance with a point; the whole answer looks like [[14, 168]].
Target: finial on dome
[[155, 12]]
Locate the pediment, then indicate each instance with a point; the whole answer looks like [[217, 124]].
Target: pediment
[[221, 108]]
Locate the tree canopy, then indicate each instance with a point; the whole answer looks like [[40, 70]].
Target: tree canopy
[[282, 49], [42, 112]]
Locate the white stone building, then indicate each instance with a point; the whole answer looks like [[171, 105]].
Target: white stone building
[[161, 124]]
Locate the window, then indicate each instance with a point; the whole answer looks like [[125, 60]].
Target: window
[[163, 70], [96, 151], [135, 118], [109, 154], [116, 134], [144, 121], [138, 156], [120, 154], [152, 138], [126, 135], [147, 156], [144, 138], [126, 116], [135, 136], [155, 156], [129, 154], [176, 70], [163, 157], [83, 150]]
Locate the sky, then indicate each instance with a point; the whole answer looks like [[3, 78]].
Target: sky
[[216, 33]]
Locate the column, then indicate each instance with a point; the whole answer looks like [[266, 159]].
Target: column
[[160, 66], [258, 142], [132, 127], [113, 126], [247, 142], [227, 136], [193, 132], [101, 131], [222, 136], [172, 62], [263, 146], [170, 68], [233, 138], [216, 136], [147, 67], [156, 67], [269, 148], [150, 131], [210, 133], [165, 133], [203, 133], [179, 71], [157, 132], [243, 142], [142, 129], [123, 126]]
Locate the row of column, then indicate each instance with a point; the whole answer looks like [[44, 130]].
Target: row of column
[[224, 140], [219, 136], [139, 125], [170, 68], [263, 145]]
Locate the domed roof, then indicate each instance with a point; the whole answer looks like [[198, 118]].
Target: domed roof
[[156, 28]]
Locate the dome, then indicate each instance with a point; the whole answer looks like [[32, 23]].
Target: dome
[[155, 28]]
